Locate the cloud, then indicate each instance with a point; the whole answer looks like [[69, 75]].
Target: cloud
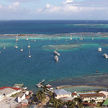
[[41, 9], [0, 6], [87, 3], [75, 6], [47, 6], [14, 5], [68, 1]]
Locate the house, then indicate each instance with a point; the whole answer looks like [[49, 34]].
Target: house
[[74, 95], [61, 93], [97, 97], [22, 96], [105, 93], [8, 91]]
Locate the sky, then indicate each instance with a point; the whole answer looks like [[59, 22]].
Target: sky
[[53, 9]]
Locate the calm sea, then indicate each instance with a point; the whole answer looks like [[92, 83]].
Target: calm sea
[[79, 56]]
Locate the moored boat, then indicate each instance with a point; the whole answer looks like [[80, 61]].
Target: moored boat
[[99, 49], [105, 55], [56, 53], [56, 58]]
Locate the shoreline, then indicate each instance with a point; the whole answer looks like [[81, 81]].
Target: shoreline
[[88, 80], [70, 86]]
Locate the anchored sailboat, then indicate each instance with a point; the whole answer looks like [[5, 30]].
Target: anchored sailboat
[[29, 54]]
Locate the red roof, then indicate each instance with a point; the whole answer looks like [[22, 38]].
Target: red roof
[[92, 95], [1, 88], [74, 93], [88, 104]]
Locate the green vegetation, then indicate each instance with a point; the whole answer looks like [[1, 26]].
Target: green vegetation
[[40, 95]]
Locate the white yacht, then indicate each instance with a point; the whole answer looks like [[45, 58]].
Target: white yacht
[[105, 55], [28, 46], [16, 46], [56, 53], [99, 49], [21, 50], [56, 58], [29, 56]]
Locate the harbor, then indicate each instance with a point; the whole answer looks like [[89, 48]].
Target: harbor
[[46, 57]]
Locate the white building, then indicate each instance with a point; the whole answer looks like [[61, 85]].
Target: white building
[[8, 91], [97, 97], [105, 93], [61, 93], [22, 96]]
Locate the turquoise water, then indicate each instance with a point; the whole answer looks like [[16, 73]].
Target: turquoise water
[[78, 58]]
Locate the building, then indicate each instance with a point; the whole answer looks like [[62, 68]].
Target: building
[[22, 96], [105, 93], [74, 95], [97, 97], [8, 91], [61, 93]]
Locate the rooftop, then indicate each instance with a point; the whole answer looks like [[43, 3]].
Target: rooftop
[[1, 88], [7, 90], [92, 95], [74, 93], [61, 92]]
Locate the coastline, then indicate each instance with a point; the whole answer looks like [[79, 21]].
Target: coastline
[[90, 80], [70, 86]]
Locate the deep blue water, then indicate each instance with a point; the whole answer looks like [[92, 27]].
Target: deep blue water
[[17, 67], [52, 27]]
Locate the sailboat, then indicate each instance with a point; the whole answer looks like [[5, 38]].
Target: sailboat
[[21, 50], [56, 58], [17, 38], [29, 54], [99, 49], [16, 46], [29, 45], [56, 53]]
